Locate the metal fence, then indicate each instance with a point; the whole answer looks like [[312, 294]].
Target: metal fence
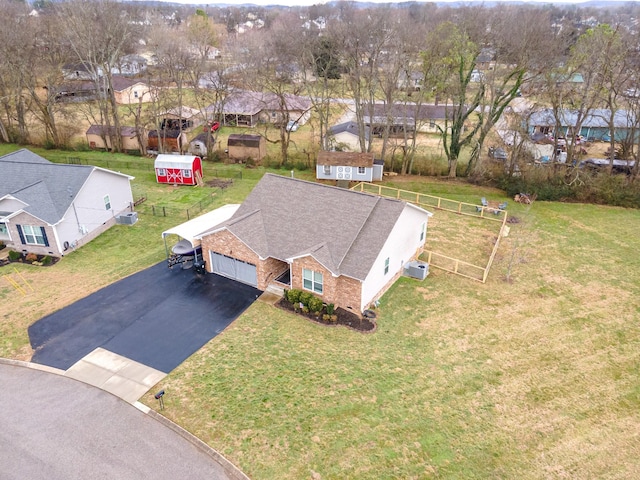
[[168, 211]]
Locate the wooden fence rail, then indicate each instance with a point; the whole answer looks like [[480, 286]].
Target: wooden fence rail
[[437, 260]]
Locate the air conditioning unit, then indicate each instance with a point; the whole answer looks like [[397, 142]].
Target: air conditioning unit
[[416, 269], [127, 218]]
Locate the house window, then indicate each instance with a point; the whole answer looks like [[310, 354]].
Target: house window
[[186, 173], [135, 94], [162, 172], [361, 170], [423, 231], [312, 280], [432, 124], [4, 231], [386, 266], [107, 202], [33, 235], [327, 169]]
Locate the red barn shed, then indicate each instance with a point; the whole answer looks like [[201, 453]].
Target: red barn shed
[[178, 169]]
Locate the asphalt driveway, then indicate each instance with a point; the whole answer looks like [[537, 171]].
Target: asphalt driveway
[[158, 317]]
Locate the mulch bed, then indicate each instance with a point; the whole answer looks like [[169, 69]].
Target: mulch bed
[[345, 318], [37, 262]]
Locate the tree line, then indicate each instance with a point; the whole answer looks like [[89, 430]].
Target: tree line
[[475, 60]]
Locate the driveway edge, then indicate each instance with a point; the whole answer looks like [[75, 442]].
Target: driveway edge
[[230, 469]]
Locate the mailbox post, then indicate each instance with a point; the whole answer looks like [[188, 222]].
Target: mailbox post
[[159, 396]]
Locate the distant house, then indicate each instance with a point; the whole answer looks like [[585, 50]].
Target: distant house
[[412, 81], [128, 91], [80, 71], [182, 118], [99, 137], [345, 136], [486, 60], [246, 147], [48, 208], [407, 118], [357, 167], [76, 91], [244, 108], [345, 247], [131, 64], [595, 125]]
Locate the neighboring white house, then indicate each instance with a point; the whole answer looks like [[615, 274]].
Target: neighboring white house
[[351, 166], [345, 137], [48, 208], [345, 247]]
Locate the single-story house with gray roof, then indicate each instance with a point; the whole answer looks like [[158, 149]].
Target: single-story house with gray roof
[[408, 117], [595, 125], [48, 208], [343, 246], [244, 108], [346, 136]]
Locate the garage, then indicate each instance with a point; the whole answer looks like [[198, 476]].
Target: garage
[[233, 268]]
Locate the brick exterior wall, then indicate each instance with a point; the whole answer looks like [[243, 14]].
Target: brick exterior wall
[[226, 243], [342, 291]]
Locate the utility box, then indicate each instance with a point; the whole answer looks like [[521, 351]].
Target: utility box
[[416, 269], [127, 218]]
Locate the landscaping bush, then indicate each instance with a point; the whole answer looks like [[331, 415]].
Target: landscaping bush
[[31, 257], [14, 256], [47, 260], [293, 296], [315, 304], [305, 297], [331, 308]]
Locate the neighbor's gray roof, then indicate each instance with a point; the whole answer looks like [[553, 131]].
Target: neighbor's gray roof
[[344, 230], [47, 188], [597, 118], [348, 127], [244, 102], [401, 113]]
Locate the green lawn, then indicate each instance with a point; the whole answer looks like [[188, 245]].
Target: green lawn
[[533, 378], [535, 374]]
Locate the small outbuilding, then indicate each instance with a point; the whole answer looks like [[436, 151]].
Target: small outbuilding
[[178, 169], [244, 147], [167, 140], [202, 144], [350, 166], [99, 137]]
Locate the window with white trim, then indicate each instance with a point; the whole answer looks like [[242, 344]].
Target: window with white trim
[[361, 170], [186, 173], [386, 266], [423, 231], [312, 280], [33, 235], [107, 202], [162, 172], [326, 169], [4, 231], [135, 94]]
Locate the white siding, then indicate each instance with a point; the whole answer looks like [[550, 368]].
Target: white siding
[[400, 247], [87, 213]]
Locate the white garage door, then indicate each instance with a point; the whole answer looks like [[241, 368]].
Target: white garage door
[[233, 268]]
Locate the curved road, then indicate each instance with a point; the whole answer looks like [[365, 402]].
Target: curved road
[[57, 428]]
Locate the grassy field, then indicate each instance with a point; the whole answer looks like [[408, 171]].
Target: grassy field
[[535, 374]]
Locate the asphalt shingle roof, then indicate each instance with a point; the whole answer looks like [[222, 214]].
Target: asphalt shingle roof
[[47, 188], [284, 218]]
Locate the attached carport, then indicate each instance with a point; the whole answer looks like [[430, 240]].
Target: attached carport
[[190, 230]]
